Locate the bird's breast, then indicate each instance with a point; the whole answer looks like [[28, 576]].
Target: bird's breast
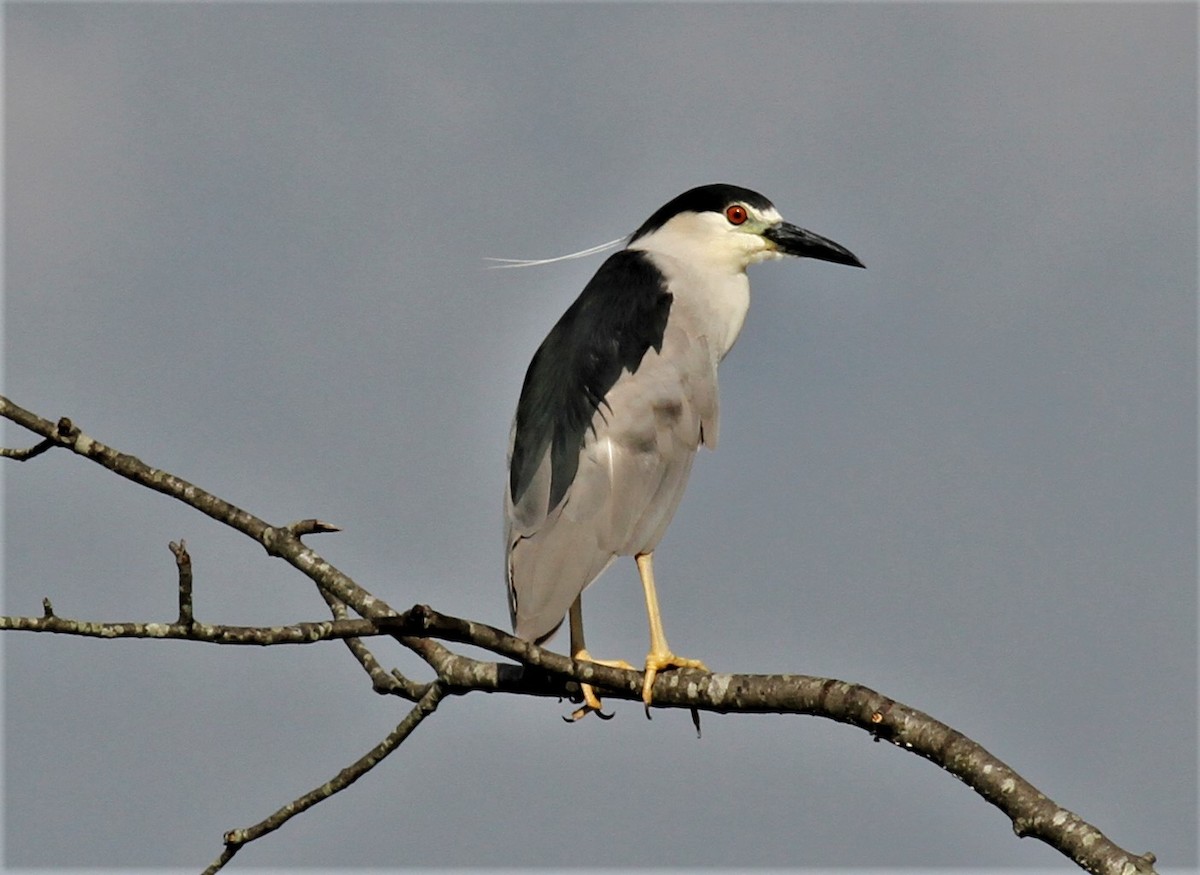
[[707, 300]]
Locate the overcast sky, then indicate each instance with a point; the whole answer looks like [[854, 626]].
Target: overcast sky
[[246, 244]]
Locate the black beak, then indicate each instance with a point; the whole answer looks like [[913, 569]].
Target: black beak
[[805, 244]]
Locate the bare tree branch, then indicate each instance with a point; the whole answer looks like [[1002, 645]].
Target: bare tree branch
[[277, 541], [539, 672], [261, 636], [235, 839]]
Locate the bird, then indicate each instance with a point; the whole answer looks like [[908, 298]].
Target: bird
[[617, 400]]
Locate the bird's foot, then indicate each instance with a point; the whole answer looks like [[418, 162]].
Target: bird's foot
[[656, 662], [591, 702], [591, 705]]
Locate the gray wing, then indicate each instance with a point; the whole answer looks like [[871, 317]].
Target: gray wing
[[632, 468]]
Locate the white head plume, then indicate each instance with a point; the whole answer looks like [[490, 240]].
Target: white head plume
[[536, 262]]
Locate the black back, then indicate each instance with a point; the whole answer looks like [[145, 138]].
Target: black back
[[619, 315]]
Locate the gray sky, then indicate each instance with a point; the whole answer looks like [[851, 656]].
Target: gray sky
[[246, 242]]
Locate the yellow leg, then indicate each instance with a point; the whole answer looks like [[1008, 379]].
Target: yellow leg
[[591, 702], [660, 655]]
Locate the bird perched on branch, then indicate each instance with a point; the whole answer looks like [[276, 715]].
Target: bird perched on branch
[[616, 401]]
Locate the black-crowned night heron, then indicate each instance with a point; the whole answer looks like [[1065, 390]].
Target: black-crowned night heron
[[617, 399]]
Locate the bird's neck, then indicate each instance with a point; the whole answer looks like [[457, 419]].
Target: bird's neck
[[715, 300]]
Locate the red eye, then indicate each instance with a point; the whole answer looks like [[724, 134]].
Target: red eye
[[736, 214]]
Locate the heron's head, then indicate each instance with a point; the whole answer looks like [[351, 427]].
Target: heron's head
[[728, 227]]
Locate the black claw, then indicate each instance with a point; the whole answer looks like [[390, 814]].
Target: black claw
[[579, 713]]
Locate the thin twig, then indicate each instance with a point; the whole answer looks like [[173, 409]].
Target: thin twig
[[383, 682], [235, 839], [311, 527], [183, 561], [29, 453]]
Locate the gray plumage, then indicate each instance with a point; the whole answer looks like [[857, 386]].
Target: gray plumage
[[621, 394], [628, 473]]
